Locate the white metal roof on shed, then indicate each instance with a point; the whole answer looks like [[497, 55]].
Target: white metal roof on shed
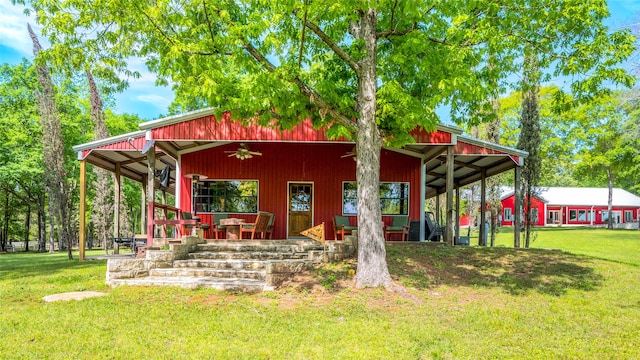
[[584, 196]]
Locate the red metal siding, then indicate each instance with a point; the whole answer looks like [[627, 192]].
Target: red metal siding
[[509, 203], [138, 143], [281, 163]]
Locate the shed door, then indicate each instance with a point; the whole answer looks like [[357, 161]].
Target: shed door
[[300, 208]]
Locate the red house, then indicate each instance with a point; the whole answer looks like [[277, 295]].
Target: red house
[[577, 206], [300, 175]]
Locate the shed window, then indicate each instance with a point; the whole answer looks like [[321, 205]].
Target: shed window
[[226, 196], [573, 215], [507, 214], [394, 198]]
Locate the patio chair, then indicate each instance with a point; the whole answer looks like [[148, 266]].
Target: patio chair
[[261, 225], [434, 231], [270, 226], [187, 216], [341, 226], [216, 227], [399, 225]]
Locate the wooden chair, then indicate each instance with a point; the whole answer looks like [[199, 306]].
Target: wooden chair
[[260, 226], [434, 231], [399, 225], [216, 227], [187, 216], [341, 226], [270, 226]]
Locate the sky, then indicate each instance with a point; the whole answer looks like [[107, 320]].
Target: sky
[[151, 102]]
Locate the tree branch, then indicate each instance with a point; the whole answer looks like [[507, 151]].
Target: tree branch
[[305, 89], [332, 45]]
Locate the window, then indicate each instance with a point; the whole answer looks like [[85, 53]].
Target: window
[[573, 215], [582, 215], [394, 198], [507, 214], [605, 215], [628, 216], [235, 196]]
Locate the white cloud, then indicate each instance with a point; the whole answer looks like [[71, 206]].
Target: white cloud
[[13, 28], [158, 101]]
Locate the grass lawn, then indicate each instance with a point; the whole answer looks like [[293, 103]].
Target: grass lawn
[[574, 295]]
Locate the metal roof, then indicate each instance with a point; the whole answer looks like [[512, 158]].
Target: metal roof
[[583, 196], [198, 130]]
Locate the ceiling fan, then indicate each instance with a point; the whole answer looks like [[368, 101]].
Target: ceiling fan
[[351, 153], [243, 152]]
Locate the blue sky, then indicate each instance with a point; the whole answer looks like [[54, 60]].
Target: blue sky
[[149, 101]]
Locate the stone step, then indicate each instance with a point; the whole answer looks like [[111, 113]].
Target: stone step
[[283, 246], [207, 272], [246, 255], [223, 263], [226, 284]]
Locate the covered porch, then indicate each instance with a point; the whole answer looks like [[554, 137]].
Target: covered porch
[[168, 154]]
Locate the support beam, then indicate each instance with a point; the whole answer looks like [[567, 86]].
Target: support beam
[[482, 239], [117, 191], [143, 207], [82, 216], [517, 208], [151, 192], [423, 195], [449, 206], [457, 217]]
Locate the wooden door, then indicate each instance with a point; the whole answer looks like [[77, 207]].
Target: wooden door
[[300, 208]]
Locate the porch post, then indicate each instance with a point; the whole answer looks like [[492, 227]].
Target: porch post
[[438, 210], [449, 206], [423, 195], [143, 206], [83, 199], [116, 201], [151, 192], [517, 208], [483, 208], [457, 217]]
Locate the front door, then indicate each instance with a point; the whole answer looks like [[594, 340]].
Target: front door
[[300, 208]]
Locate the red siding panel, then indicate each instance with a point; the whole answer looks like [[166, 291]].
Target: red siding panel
[[281, 163]]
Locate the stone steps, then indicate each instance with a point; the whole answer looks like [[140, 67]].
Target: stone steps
[[209, 273], [241, 265], [220, 263], [224, 284]]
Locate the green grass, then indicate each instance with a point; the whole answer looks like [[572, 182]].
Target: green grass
[[579, 301]]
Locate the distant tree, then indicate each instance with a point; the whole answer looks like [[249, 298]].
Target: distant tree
[[529, 140], [53, 149], [604, 152]]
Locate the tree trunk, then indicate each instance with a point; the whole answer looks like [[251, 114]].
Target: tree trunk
[[27, 226], [53, 149], [610, 199], [372, 263]]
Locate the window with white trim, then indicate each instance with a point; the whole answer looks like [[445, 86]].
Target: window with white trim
[[507, 214], [394, 198], [628, 216], [573, 215]]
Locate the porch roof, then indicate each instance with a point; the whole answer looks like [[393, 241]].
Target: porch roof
[[197, 130]]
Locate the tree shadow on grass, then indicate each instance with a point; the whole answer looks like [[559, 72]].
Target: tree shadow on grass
[[517, 271]]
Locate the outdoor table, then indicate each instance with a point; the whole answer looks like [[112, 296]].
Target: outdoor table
[[232, 226]]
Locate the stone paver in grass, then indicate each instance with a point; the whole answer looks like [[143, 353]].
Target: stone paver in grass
[[76, 295]]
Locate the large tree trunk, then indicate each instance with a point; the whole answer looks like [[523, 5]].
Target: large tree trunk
[[53, 149], [372, 262], [102, 214]]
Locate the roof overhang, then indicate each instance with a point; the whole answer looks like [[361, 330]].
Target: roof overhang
[[199, 130]]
